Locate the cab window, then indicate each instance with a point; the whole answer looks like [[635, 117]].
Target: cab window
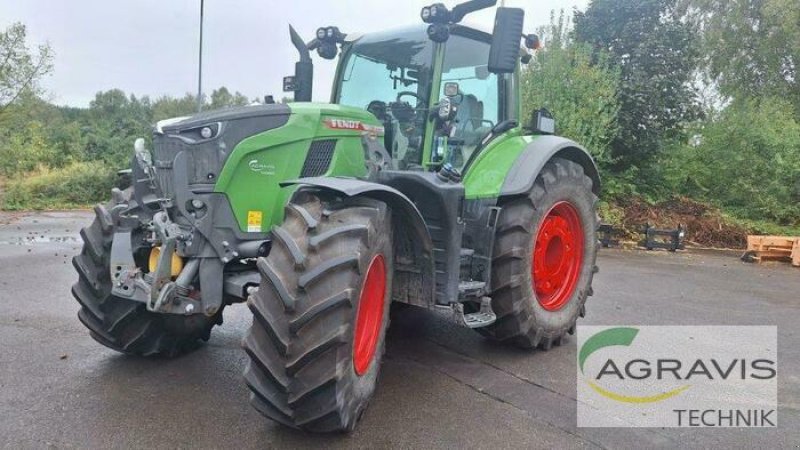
[[478, 99]]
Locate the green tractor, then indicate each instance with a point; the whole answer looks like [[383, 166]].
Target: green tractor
[[417, 184]]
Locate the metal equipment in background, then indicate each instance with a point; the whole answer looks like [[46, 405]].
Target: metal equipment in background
[[608, 235], [671, 240]]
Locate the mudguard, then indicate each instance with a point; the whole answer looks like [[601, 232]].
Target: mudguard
[[536, 154], [414, 280]]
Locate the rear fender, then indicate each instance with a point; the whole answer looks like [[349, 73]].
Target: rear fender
[[536, 154], [413, 280]]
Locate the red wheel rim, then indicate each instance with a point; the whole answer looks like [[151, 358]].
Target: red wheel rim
[[557, 256], [370, 315]]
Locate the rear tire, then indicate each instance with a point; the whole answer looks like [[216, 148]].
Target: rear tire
[[524, 318], [125, 325], [313, 361]]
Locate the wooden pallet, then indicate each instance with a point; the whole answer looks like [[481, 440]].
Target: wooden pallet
[[796, 253], [762, 248]]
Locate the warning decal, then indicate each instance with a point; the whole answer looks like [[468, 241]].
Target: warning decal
[[254, 219]]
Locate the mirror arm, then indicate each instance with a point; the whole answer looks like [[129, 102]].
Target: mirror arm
[[459, 11]]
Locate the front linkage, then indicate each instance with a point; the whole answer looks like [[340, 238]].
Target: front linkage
[[155, 289], [145, 235]]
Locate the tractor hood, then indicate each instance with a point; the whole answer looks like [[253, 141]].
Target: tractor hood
[[264, 115], [212, 137], [181, 124], [234, 150]]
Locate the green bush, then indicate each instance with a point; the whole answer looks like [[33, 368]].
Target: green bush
[[746, 160], [24, 150], [74, 186]]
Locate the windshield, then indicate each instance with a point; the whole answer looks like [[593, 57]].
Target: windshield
[[389, 74]]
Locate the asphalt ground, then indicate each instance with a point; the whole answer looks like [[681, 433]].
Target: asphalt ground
[[441, 386]]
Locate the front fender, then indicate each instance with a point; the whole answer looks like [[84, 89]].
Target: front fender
[[414, 281]]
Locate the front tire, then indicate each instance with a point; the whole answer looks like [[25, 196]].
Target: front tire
[[126, 325], [544, 258], [320, 313]]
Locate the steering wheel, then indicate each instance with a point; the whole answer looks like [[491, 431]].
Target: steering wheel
[[411, 93]]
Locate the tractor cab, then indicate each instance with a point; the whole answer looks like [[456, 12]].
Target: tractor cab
[[397, 76], [441, 91]]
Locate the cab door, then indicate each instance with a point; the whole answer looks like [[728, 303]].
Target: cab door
[[483, 100]]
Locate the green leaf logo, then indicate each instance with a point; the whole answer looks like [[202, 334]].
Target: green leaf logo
[[606, 338], [619, 336]]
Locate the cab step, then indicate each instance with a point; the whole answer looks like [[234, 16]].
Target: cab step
[[482, 318]]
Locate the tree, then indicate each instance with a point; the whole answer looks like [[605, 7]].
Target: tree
[[113, 122], [222, 98], [20, 70], [751, 48], [581, 94], [748, 160], [168, 107], [657, 57]]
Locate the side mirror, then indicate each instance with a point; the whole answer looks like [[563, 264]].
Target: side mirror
[[505, 47]]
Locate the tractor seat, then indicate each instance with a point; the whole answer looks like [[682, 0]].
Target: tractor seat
[[470, 114], [469, 121]]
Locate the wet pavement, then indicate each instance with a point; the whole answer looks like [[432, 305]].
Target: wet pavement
[[440, 386]]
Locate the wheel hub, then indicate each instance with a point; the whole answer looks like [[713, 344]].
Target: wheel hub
[[557, 256], [370, 315]]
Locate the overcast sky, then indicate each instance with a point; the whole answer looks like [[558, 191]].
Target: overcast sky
[[149, 47]]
